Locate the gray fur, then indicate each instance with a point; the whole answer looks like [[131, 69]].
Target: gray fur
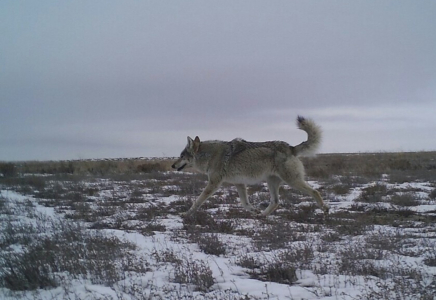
[[240, 162]]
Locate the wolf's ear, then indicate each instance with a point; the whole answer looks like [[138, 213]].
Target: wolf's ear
[[196, 144], [190, 142]]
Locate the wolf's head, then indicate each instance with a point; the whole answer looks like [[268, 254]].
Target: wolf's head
[[186, 158]]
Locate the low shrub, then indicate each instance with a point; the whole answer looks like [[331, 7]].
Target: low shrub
[[196, 272], [277, 269], [373, 194], [202, 221], [341, 189], [71, 248], [404, 199], [432, 194], [278, 272], [7, 169], [210, 244], [276, 236]]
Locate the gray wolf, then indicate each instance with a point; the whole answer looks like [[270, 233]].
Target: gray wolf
[[240, 163]]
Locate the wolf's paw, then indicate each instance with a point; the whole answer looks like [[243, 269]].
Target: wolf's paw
[[257, 212], [260, 215], [186, 214], [254, 210], [326, 209]]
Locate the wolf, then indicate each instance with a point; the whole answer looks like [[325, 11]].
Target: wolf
[[240, 162]]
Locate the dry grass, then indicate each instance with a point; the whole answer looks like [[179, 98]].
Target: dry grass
[[401, 166], [92, 167]]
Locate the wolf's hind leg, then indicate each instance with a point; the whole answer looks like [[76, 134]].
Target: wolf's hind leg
[[304, 187], [273, 186], [292, 173], [242, 191]]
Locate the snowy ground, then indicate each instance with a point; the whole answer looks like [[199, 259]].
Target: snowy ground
[[378, 243]]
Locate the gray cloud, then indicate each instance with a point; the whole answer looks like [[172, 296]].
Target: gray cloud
[[106, 78]]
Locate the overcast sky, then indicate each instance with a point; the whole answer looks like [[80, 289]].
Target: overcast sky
[[103, 79]]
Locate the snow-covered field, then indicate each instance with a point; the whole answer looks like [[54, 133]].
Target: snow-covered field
[[122, 237]]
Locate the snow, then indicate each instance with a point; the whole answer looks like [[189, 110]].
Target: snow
[[230, 279]]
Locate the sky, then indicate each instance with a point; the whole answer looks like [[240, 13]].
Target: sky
[[110, 79]]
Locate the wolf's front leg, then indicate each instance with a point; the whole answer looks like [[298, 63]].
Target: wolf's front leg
[[242, 191], [207, 192]]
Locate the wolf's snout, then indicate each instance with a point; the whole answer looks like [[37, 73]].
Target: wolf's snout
[[173, 166]]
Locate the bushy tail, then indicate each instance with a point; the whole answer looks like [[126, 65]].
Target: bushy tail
[[313, 142]]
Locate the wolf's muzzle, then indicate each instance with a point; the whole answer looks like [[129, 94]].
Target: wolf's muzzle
[[178, 169], [181, 168]]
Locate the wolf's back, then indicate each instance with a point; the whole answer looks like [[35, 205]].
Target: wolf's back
[[314, 134]]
